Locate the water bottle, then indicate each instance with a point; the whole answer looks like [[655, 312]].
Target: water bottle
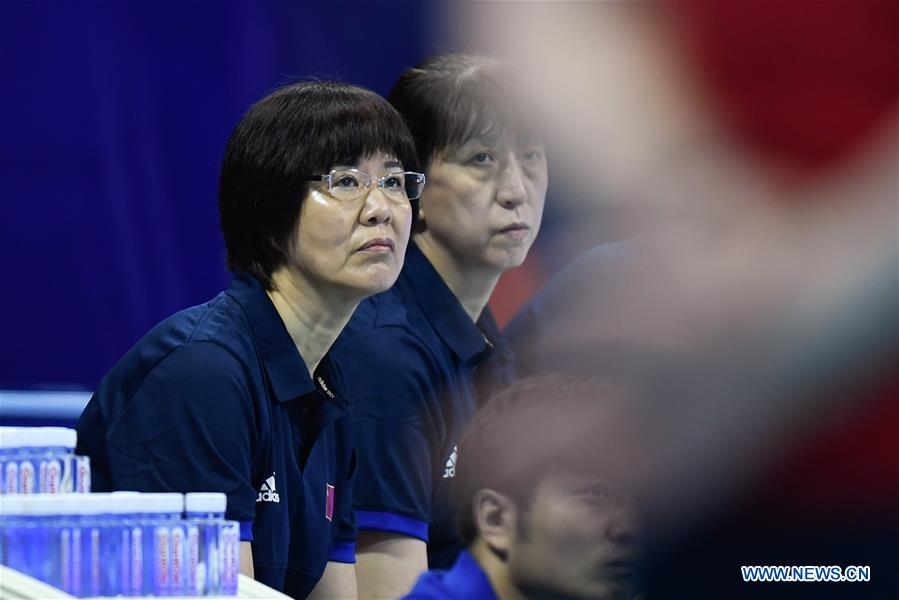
[[68, 531], [10, 443], [158, 518], [131, 561], [229, 543], [54, 450], [106, 522], [25, 457], [205, 516], [88, 540], [34, 543]]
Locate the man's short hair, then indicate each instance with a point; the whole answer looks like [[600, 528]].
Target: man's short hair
[[537, 425], [299, 130]]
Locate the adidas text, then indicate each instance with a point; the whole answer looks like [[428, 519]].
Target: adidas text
[[267, 492]]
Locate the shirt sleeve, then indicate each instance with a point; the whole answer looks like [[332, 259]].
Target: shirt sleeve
[[392, 396], [344, 548], [190, 427]]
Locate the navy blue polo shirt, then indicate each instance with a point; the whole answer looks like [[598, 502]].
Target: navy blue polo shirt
[[217, 398], [417, 368], [464, 580]]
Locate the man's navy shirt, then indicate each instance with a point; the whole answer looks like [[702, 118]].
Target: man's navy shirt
[[217, 398], [464, 581], [417, 368]]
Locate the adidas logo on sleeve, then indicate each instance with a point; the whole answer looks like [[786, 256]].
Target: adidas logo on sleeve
[[450, 470], [267, 492]]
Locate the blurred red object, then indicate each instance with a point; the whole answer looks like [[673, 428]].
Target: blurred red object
[[800, 82]]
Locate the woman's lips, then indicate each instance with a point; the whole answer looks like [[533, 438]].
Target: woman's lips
[[515, 231], [378, 245]]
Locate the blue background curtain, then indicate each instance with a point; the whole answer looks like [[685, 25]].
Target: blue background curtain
[[114, 119]]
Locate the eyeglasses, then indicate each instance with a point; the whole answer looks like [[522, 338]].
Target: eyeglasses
[[350, 184]]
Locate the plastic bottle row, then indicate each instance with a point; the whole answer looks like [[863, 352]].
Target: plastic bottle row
[[123, 543], [41, 460]]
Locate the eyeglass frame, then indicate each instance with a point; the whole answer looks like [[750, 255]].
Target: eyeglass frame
[[328, 177]]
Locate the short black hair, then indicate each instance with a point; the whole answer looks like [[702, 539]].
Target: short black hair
[[299, 130], [535, 426], [451, 98]]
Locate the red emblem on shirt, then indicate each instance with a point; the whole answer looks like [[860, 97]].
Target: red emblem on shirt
[[329, 501]]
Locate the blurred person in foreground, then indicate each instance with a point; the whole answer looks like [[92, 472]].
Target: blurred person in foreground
[[421, 357], [756, 184], [542, 511], [240, 395]]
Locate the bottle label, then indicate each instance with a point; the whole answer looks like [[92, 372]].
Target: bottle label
[[125, 561], [82, 474], [193, 559], [225, 556], [26, 477], [229, 544], [162, 559], [65, 559], [95, 562], [177, 559], [11, 478], [51, 477], [137, 561], [235, 552], [76, 562]]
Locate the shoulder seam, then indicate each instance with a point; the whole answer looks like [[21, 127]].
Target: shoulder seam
[[175, 348]]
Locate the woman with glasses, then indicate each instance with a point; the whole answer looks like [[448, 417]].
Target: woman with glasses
[[422, 356], [240, 394]]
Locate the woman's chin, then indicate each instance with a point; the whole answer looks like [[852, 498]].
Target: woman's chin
[[506, 259], [373, 282]]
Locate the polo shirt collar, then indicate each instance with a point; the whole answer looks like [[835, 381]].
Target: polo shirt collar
[[468, 580], [286, 370], [445, 312], [497, 342]]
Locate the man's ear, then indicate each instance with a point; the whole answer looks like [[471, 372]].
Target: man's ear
[[495, 520]]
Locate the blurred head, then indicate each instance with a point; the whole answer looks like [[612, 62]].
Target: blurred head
[[277, 212], [485, 162], [539, 490]]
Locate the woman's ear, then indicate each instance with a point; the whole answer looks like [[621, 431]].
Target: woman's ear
[[495, 520], [418, 217]]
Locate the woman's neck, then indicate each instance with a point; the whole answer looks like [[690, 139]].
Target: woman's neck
[[472, 285], [312, 320]]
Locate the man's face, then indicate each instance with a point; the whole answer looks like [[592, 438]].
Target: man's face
[[576, 540]]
